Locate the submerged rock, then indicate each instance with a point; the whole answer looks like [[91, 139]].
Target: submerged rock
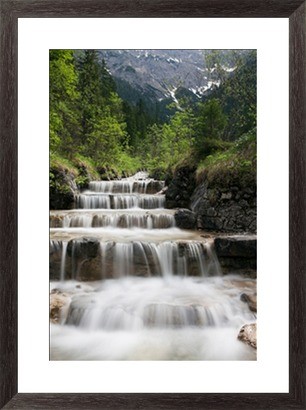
[[248, 335]]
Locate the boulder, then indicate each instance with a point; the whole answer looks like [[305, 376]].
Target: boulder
[[248, 335], [59, 305], [185, 219]]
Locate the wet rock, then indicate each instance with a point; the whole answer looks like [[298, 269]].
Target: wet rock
[[185, 219], [251, 300], [83, 247], [56, 221], [246, 284], [237, 254], [236, 246], [248, 335], [59, 305], [154, 187]]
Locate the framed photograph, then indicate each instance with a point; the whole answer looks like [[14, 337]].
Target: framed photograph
[[159, 179]]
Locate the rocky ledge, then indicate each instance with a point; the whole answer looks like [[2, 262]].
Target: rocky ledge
[[237, 254]]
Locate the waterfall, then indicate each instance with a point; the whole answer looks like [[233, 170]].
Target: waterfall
[[153, 291], [90, 200], [149, 219], [63, 261], [121, 259]]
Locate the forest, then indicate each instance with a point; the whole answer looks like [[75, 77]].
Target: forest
[[96, 134]]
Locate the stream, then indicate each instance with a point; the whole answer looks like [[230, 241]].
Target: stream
[[130, 285]]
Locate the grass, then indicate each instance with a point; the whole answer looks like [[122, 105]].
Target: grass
[[234, 166], [62, 164]]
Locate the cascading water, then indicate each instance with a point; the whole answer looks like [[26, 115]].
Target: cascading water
[[140, 288]]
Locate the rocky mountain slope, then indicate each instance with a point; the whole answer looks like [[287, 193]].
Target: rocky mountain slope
[[161, 77]]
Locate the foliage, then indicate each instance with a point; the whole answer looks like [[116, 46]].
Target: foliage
[[234, 166], [237, 95], [95, 134], [87, 117], [64, 99], [165, 145], [211, 122]]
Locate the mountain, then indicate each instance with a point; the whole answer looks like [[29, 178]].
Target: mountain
[[162, 77]]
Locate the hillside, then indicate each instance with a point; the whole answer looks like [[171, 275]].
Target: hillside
[[162, 77]]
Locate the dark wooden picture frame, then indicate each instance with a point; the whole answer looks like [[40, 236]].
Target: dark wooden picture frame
[[10, 11]]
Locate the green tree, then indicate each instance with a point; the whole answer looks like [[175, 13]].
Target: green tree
[[211, 122], [96, 88], [103, 143], [64, 103], [238, 97]]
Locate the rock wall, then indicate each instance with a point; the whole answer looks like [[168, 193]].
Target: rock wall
[[180, 188], [229, 208]]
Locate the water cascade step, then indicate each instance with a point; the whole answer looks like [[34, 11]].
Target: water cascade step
[[87, 258], [153, 219], [120, 260]]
